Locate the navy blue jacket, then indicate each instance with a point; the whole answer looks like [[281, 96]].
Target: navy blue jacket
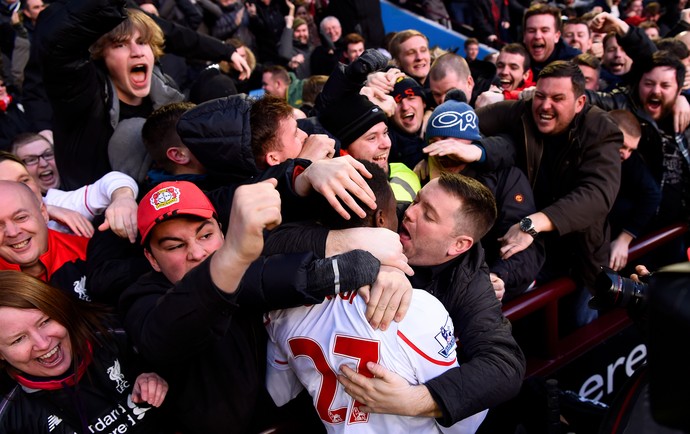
[[638, 199], [514, 200]]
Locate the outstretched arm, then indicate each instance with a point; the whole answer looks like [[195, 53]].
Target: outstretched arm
[[256, 207]]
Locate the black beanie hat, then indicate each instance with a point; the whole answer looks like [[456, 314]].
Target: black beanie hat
[[406, 87], [350, 117]]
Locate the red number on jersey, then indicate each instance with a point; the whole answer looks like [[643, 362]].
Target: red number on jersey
[[362, 350]]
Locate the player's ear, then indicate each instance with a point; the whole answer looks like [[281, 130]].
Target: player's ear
[[272, 158], [379, 219]]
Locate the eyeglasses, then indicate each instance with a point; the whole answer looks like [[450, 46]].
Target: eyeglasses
[[32, 160]]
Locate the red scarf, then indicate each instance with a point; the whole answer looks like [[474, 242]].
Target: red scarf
[[56, 384], [5, 102], [515, 94]]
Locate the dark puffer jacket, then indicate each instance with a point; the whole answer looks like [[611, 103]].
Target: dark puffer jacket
[[218, 134]]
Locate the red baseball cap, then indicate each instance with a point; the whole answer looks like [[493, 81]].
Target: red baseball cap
[[170, 199]]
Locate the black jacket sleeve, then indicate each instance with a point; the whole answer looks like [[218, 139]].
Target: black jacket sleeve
[[514, 200], [637, 45], [608, 100], [500, 148], [345, 80], [178, 321], [501, 155], [189, 15], [312, 279], [187, 42], [297, 237], [112, 265], [492, 364], [293, 207]]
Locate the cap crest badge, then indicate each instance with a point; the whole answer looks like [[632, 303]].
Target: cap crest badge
[[165, 197]]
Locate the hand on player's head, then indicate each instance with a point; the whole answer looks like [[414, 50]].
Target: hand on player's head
[[338, 178]]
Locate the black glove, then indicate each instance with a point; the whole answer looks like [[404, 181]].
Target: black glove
[[346, 272], [370, 61]]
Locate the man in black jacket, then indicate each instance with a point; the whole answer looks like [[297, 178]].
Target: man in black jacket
[[438, 235], [198, 316]]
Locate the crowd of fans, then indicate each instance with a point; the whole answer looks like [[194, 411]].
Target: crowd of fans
[[218, 210]]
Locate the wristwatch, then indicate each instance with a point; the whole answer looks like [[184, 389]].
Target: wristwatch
[[527, 226]]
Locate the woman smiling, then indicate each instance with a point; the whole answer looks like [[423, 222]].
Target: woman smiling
[[67, 371]]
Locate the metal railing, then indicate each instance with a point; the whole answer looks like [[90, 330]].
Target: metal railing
[[559, 350]]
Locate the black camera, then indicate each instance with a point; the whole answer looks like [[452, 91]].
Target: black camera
[[613, 290]]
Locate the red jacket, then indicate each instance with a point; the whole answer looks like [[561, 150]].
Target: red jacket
[[515, 94], [65, 262]]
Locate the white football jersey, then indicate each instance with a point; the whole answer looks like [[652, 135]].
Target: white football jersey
[[308, 344]]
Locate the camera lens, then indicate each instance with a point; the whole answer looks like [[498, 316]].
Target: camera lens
[[614, 290]]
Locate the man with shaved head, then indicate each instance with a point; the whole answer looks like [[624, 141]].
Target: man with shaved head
[[450, 71], [27, 245]]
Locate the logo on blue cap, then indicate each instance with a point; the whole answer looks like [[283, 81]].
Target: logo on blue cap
[[450, 119]]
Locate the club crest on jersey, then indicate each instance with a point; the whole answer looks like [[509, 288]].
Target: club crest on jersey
[[115, 374], [358, 415], [446, 339], [165, 197], [80, 288]]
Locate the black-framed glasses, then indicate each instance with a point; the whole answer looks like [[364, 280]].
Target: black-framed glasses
[[31, 160]]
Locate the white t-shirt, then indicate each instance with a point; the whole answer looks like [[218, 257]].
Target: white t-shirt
[[308, 344], [93, 199]]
